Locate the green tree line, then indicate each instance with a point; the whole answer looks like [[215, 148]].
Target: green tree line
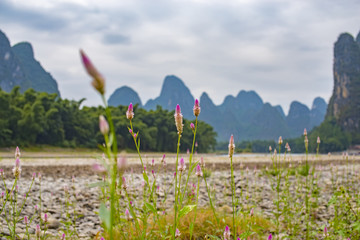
[[34, 118]]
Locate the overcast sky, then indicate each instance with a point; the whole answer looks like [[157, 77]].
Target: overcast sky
[[281, 49]]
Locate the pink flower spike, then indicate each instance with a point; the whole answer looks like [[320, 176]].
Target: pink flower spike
[[227, 233], [98, 81], [103, 125], [130, 112], [196, 108], [130, 131], [192, 126], [45, 217], [182, 165], [177, 233], [178, 119], [26, 220], [198, 171], [38, 231], [17, 152], [178, 109], [325, 230], [231, 146], [270, 237], [134, 135], [127, 214], [63, 236]]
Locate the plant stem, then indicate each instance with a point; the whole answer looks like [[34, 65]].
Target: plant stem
[[176, 171], [233, 195]]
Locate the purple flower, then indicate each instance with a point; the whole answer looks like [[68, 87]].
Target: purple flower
[[127, 215], [192, 126], [270, 237], [103, 125], [98, 168], [45, 218], [182, 165], [177, 233], [178, 119], [196, 108], [17, 152], [227, 233], [198, 171], [26, 220], [17, 169], [130, 131], [98, 81], [38, 231], [63, 236], [130, 112], [231, 146]]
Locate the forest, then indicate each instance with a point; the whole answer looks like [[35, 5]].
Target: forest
[[35, 118]]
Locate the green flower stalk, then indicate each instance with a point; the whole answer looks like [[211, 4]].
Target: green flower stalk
[[231, 153]]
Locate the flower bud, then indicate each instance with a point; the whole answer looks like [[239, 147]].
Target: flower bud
[[38, 231], [177, 233], [130, 112], [17, 169], [178, 119], [227, 233], [305, 132], [127, 215], [198, 171], [231, 146], [98, 81], [182, 165], [280, 140], [17, 152], [103, 125], [270, 237], [192, 126], [196, 108], [45, 218], [318, 140]]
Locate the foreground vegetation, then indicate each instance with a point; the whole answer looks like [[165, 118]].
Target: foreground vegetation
[[295, 205]]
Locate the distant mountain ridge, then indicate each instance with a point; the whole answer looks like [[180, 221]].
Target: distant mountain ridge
[[18, 67], [246, 115]]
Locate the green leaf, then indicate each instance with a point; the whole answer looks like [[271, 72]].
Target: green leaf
[[150, 207], [146, 177], [185, 210], [105, 216]]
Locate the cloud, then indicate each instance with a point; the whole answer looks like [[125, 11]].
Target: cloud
[[116, 39], [281, 49]]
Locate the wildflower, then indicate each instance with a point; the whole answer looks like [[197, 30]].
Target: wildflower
[[98, 168], [63, 236], [280, 140], [196, 144], [152, 163], [102, 238], [182, 165], [198, 171], [305, 132], [17, 169], [45, 218], [231, 146], [188, 151], [2, 172], [202, 162], [127, 215], [39, 176], [178, 119], [325, 231], [26, 220], [227, 233], [2, 194], [98, 81], [38, 231], [192, 126], [34, 176], [121, 163], [270, 148], [125, 186], [252, 212], [130, 131], [130, 112], [306, 141], [134, 135], [196, 108], [36, 208], [17, 152], [270, 237], [103, 125], [318, 140], [177, 233], [153, 173]]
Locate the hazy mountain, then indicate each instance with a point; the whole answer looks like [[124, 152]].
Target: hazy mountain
[[124, 96], [246, 115], [18, 67], [173, 92]]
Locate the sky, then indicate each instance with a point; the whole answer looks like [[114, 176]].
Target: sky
[[281, 49]]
